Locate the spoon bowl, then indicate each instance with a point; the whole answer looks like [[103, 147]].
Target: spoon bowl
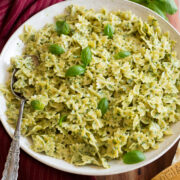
[[13, 80]]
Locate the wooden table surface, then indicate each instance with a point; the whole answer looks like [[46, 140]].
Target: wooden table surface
[[149, 171]]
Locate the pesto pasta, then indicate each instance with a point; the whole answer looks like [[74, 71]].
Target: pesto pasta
[[107, 83]]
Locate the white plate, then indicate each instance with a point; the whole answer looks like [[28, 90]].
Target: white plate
[[14, 47]]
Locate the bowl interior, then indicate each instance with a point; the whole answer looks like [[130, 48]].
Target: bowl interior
[[14, 47]]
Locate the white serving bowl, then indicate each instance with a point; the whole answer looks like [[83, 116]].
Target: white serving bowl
[[14, 47]]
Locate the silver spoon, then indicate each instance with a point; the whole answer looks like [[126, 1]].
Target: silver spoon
[[12, 162]]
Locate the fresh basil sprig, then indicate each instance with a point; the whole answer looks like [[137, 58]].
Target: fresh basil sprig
[[169, 6], [162, 7]]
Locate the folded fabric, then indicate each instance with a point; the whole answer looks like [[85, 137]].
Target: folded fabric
[[12, 14]]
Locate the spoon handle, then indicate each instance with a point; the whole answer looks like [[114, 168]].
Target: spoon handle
[[12, 162]]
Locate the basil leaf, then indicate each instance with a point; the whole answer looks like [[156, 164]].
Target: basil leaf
[[109, 31], [62, 118], [56, 49], [37, 105], [155, 8], [75, 70], [133, 157], [86, 56], [103, 105], [62, 28], [143, 2], [122, 54], [167, 6], [162, 7]]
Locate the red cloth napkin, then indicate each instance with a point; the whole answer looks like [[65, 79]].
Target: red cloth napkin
[[12, 14]]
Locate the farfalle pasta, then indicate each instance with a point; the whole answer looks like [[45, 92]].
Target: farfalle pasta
[[141, 86]]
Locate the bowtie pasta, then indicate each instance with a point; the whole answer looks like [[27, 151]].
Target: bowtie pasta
[[107, 83]]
